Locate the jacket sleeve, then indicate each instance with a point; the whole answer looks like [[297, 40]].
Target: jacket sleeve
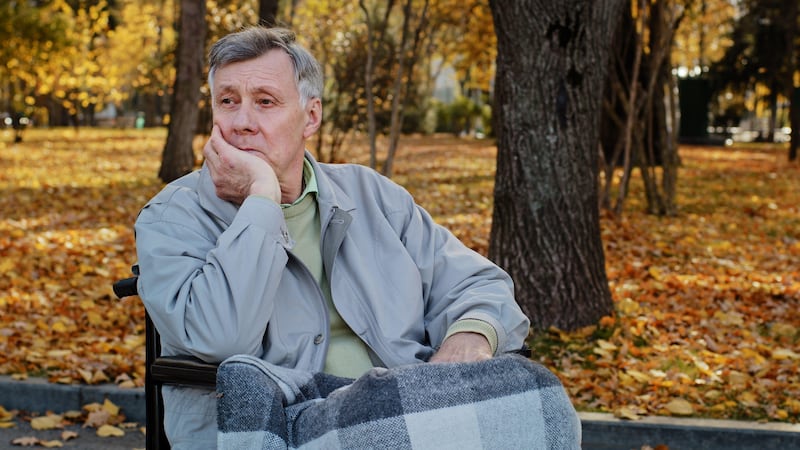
[[209, 287], [458, 283]]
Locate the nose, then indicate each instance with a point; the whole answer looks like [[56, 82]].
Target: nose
[[244, 120]]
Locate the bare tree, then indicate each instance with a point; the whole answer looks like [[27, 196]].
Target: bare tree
[[551, 68], [403, 57], [635, 130], [376, 29], [178, 156], [407, 56]]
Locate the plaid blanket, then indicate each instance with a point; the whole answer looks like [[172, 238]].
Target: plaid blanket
[[507, 402]]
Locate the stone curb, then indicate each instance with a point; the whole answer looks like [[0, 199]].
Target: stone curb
[[606, 432], [37, 395], [600, 431]]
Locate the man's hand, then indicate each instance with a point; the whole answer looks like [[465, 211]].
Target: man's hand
[[463, 347], [237, 173]]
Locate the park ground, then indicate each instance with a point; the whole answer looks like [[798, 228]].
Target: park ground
[[705, 321]]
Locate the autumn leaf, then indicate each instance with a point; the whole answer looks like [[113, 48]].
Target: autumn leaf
[[91, 407], [86, 375], [27, 441], [110, 431], [704, 302], [48, 422], [748, 398], [97, 418], [110, 407], [5, 415], [625, 412], [680, 407], [51, 444], [784, 353], [68, 434], [72, 415]]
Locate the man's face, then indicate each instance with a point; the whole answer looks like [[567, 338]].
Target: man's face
[[257, 107]]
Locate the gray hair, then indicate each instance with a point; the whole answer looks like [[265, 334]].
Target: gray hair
[[252, 42]]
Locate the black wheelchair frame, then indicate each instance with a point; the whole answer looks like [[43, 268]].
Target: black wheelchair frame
[[163, 370]]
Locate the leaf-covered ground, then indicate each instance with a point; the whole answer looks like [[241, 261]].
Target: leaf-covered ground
[[706, 302]]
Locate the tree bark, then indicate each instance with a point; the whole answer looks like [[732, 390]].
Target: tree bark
[[267, 12], [178, 156], [794, 122], [793, 14], [406, 58], [376, 33], [551, 67]]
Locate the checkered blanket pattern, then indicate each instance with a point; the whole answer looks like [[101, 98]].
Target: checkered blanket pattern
[[507, 402]]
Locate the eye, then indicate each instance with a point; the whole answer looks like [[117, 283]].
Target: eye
[[266, 102]]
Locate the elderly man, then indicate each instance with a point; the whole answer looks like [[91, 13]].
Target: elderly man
[[310, 267]]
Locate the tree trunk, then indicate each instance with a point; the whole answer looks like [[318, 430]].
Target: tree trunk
[[178, 156], [772, 100], [793, 14], [406, 58], [551, 65], [369, 71], [794, 122], [267, 12], [376, 33]]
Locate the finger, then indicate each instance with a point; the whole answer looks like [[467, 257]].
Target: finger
[[208, 150]]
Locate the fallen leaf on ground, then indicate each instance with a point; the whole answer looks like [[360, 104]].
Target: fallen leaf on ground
[[732, 248], [47, 422], [6, 416], [73, 415], [91, 407], [110, 431], [626, 413], [68, 434], [680, 407], [109, 406], [27, 441], [96, 419], [784, 353]]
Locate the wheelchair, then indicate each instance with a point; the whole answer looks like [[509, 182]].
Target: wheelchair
[[172, 370], [163, 370]]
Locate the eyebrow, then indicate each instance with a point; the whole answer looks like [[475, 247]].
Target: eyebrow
[[258, 90]]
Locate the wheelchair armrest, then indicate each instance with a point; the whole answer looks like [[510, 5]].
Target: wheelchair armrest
[[183, 370], [126, 287]]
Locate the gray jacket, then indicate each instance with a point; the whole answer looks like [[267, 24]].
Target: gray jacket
[[220, 280]]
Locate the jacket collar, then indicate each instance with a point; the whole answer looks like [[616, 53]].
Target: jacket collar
[[329, 196]]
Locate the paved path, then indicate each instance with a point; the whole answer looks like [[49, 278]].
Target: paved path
[[600, 431], [36, 395], [87, 438]]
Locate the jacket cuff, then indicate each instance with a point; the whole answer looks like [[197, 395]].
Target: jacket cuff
[[474, 326]]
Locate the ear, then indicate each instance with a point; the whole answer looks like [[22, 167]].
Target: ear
[[314, 116]]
